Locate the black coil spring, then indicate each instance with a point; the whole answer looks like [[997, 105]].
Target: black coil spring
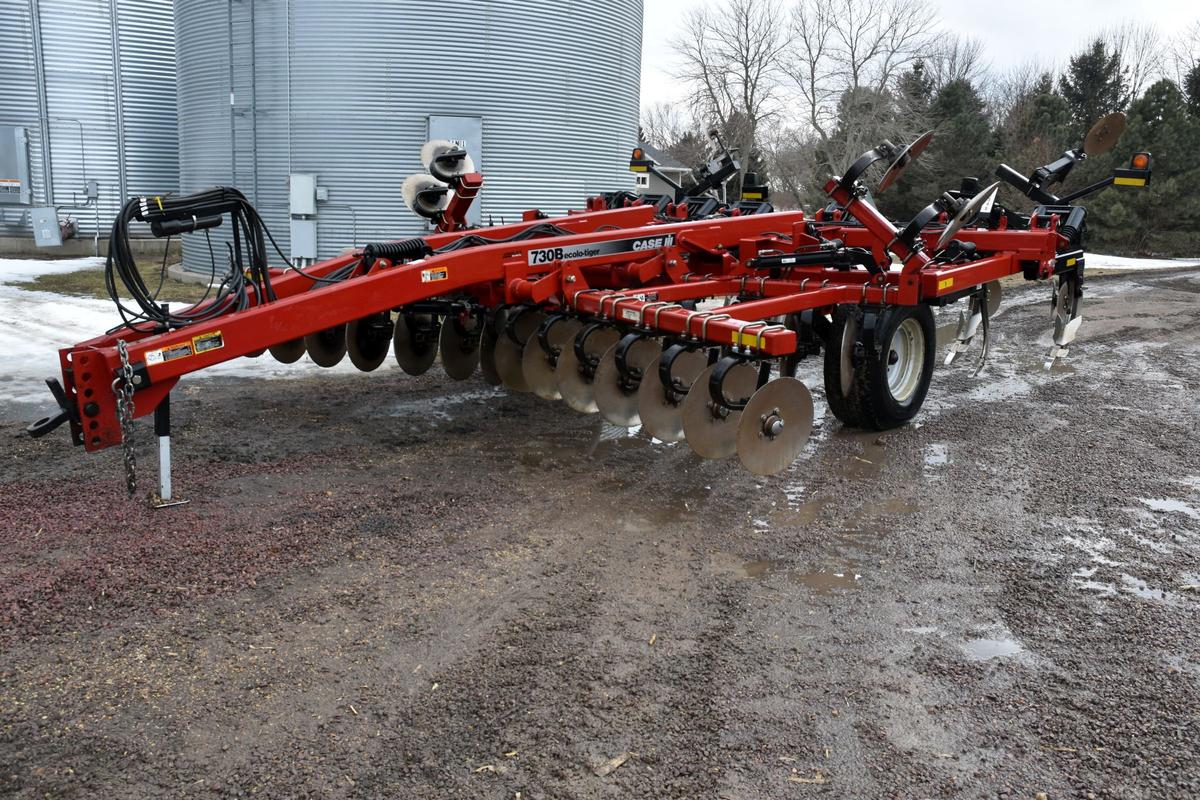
[[403, 250]]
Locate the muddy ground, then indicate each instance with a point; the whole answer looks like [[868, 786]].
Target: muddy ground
[[406, 587]]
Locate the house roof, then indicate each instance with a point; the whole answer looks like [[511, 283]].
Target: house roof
[[664, 160]]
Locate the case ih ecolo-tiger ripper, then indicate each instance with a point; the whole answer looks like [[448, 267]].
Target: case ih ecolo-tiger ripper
[[599, 307]]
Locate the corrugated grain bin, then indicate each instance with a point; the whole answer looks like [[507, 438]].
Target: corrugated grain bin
[[91, 83], [544, 93]]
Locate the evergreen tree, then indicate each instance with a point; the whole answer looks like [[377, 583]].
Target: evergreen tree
[[1191, 87], [1094, 85], [965, 143], [914, 191], [1163, 218], [1035, 131]]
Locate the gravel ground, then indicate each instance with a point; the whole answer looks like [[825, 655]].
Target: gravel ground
[[406, 587]]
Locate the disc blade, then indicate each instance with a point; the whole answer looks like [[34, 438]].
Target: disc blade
[[459, 349], [536, 363], [908, 155], [510, 349], [618, 402], [415, 352], [661, 417], [328, 347], [288, 352], [577, 389], [1104, 134], [487, 347], [775, 425], [709, 435], [368, 340], [256, 353], [967, 213]]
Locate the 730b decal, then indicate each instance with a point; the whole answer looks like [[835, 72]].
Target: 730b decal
[[548, 255]]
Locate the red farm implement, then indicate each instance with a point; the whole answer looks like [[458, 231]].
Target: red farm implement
[[684, 313]]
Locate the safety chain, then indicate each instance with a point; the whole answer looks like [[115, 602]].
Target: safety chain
[[123, 389]]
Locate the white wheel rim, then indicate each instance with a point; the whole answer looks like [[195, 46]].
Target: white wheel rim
[[906, 360]]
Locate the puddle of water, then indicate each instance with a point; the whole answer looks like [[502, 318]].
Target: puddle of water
[[801, 514], [1170, 506], [987, 649], [820, 581], [759, 569]]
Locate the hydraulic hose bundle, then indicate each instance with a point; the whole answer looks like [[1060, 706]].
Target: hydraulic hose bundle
[[171, 216]]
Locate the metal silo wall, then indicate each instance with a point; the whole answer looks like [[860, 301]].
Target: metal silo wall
[[19, 94], [344, 90], [108, 68]]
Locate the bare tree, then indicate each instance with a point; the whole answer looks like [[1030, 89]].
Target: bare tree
[[731, 62], [663, 124], [1140, 47], [874, 41], [810, 63], [956, 58], [845, 58], [1185, 52], [1005, 89], [788, 153]]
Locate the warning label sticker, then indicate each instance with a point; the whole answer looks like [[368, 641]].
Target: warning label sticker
[[548, 255], [207, 341], [182, 350], [436, 274]]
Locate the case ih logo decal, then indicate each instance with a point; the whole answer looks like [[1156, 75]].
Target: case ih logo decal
[[547, 255]]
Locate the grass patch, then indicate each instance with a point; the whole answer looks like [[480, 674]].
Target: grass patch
[[90, 283]]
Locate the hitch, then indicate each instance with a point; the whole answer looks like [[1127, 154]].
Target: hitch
[[67, 412]]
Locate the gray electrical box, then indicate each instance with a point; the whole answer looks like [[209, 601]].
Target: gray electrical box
[[304, 238], [467, 133], [46, 231], [302, 194], [14, 166]]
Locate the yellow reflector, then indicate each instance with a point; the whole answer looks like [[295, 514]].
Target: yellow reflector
[[638, 168], [1130, 181], [945, 283]]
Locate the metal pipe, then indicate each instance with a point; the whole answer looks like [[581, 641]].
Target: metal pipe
[[118, 101], [232, 96], [254, 100], [39, 69], [94, 203]]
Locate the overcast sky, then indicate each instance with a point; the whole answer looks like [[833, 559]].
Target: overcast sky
[[1046, 31]]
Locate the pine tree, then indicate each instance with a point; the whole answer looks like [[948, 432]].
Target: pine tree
[[1035, 130], [1191, 87], [966, 145], [1094, 85], [914, 191], [1163, 218]]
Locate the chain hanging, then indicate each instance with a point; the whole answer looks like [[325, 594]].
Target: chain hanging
[[123, 390]]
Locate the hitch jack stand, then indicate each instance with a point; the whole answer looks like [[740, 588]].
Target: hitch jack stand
[[162, 429]]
